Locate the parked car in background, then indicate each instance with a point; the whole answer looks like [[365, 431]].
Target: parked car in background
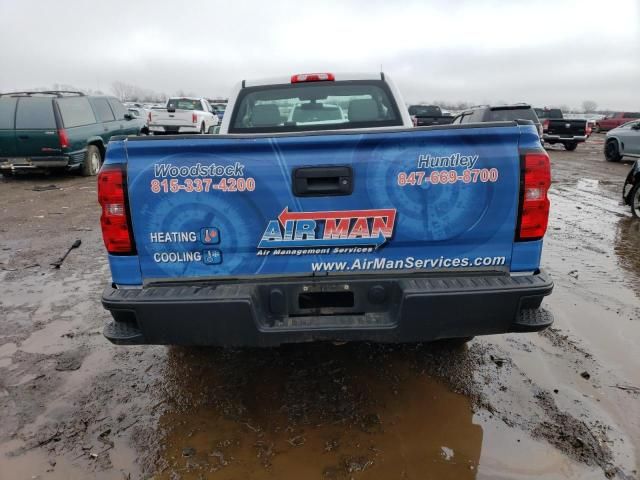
[[623, 141], [60, 129], [183, 115], [133, 105], [316, 113], [137, 112], [631, 189], [615, 120], [342, 229], [425, 115], [500, 113], [143, 115], [139, 108], [566, 131], [219, 107]]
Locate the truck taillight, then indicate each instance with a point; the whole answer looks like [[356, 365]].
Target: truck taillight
[[194, 118], [313, 77], [116, 229], [534, 204], [64, 138], [545, 125]]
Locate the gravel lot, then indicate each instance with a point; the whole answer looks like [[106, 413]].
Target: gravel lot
[[564, 403]]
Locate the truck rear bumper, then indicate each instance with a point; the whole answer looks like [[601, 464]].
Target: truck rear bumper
[[31, 163], [172, 129], [560, 138], [379, 309]]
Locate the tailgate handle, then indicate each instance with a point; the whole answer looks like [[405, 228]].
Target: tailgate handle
[[322, 181]]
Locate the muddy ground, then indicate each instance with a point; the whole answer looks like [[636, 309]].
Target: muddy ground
[[564, 403]]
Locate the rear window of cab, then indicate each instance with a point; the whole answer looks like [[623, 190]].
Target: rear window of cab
[[308, 106], [504, 115], [425, 110], [184, 104]]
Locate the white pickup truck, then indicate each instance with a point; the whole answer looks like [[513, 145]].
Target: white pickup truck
[[321, 213], [183, 115]]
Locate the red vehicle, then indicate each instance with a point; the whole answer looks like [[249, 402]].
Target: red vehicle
[[615, 120]]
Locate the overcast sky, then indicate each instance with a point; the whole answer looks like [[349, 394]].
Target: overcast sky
[[542, 52]]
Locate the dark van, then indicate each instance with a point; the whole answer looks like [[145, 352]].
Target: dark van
[[60, 130]]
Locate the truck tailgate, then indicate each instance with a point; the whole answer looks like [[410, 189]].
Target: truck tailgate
[[310, 204], [567, 128], [177, 118]]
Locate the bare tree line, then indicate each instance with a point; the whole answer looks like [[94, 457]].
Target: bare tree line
[[127, 92], [588, 106]]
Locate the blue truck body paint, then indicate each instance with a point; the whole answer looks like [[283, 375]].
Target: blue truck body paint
[[453, 194], [125, 269]]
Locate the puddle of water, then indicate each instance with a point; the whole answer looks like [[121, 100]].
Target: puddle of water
[[399, 424], [301, 411], [318, 412]]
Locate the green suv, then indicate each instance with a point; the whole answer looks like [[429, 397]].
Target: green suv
[[60, 129]]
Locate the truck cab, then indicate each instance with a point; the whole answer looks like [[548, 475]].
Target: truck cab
[[377, 107]]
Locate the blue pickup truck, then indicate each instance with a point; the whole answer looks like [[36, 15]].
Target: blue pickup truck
[[341, 222]]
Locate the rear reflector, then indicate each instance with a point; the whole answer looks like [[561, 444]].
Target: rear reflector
[[64, 138], [313, 77], [534, 213], [114, 220]]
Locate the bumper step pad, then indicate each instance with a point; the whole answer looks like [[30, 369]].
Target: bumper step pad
[[123, 333], [533, 319]]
